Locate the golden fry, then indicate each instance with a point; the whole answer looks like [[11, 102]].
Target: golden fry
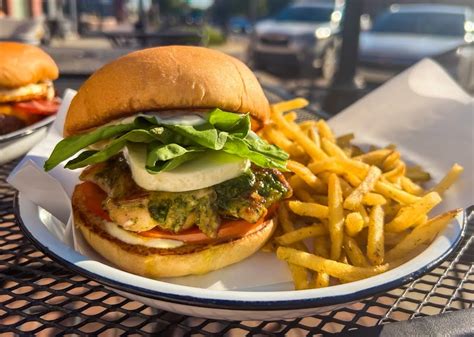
[[355, 198], [321, 246], [301, 234], [354, 223], [392, 238], [294, 104], [354, 253], [322, 280], [391, 161], [372, 199], [294, 132], [331, 267], [352, 179], [308, 209], [409, 186], [375, 239], [325, 131], [336, 216], [396, 173], [409, 215], [332, 149], [305, 174], [416, 173], [421, 234], [300, 276], [449, 179], [290, 116], [279, 139], [376, 157], [314, 136], [392, 192], [284, 219], [345, 140]]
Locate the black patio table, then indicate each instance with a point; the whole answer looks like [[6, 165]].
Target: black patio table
[[39, 296]]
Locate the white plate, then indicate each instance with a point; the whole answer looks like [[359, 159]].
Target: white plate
[[16, 144], [265, 304]]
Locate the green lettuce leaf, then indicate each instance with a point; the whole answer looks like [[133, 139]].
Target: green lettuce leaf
[[238, 125], [71, 145]]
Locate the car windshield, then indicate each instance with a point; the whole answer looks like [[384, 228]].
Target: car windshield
[[305, 14], [441, 24]]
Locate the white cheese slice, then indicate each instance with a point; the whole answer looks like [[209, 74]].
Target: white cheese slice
[[134, 239], [212, 168]]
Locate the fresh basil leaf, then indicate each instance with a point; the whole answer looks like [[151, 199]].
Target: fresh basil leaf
[[238, 125], [205, 135], [134, 136], [240, 147], [159, 152], [173, 163], [71, 145]]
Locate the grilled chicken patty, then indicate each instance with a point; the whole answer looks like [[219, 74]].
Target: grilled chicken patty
[[246, 197]]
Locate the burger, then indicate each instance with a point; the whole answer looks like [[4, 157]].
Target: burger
[[176, 180], [26, 87]]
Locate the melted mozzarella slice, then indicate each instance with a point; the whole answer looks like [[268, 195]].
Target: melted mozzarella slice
[[212, 168], [134, 239]]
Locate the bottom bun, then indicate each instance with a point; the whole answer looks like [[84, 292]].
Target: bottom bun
[[157, 263]]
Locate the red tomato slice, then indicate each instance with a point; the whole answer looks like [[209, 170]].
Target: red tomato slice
[[39, 106], [94, 196]]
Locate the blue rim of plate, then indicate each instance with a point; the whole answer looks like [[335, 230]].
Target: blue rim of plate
[[28, 130], [243, 305]]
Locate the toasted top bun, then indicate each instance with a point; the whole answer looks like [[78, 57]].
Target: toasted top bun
[[156, 263], [166, 78], [22, 64]]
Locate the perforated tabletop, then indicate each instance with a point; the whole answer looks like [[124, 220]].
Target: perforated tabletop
[[39, 296]]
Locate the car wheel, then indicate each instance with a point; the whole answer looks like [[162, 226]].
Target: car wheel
[[329, 64]]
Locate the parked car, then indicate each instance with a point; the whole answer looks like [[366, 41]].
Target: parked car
[[404, 34], [297, 38], [240, 25]]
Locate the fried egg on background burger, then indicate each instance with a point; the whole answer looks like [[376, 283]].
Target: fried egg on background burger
[[176, 182], [26, 88]]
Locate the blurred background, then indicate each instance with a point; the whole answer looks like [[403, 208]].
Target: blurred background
[[329, 51]]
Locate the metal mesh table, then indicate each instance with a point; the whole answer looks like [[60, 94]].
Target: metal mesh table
[[39, 296]]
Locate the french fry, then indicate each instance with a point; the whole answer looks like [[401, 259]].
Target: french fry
[[284, 219], [322, 280], [346, 188], [301, 190], [409, 215], [352, 179], [325, 131], [314, 136], [417, 174], [355, 198], [308, 124], [279, 139], [290, 116], [391, 161], [375, 239], [376, 157], [392, 192], [300, 276], [320, 199], [336, 216], [305, 174], [340, 166], [397, 172], [410, 255], [365, 216], [294, 132], [322, 265], [409, 186], [309, 209], [354, 253], [301, 234], [372, 199], [354, 223], [449, 179], [392, 238], [421, 234], [345, 140], [294, 104], [332, 149], [321, 246]]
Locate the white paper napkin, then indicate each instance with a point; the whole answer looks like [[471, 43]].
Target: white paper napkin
[[422, 110]]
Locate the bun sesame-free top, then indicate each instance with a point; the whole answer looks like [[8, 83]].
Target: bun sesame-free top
[[22, 64]]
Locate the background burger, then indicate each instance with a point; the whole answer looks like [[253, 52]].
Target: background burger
[[176, 182], [26, 88]]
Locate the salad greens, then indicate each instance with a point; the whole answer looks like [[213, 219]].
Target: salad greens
[[169, 146]]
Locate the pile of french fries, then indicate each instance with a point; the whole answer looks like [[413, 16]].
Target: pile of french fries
[[353, 214]]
